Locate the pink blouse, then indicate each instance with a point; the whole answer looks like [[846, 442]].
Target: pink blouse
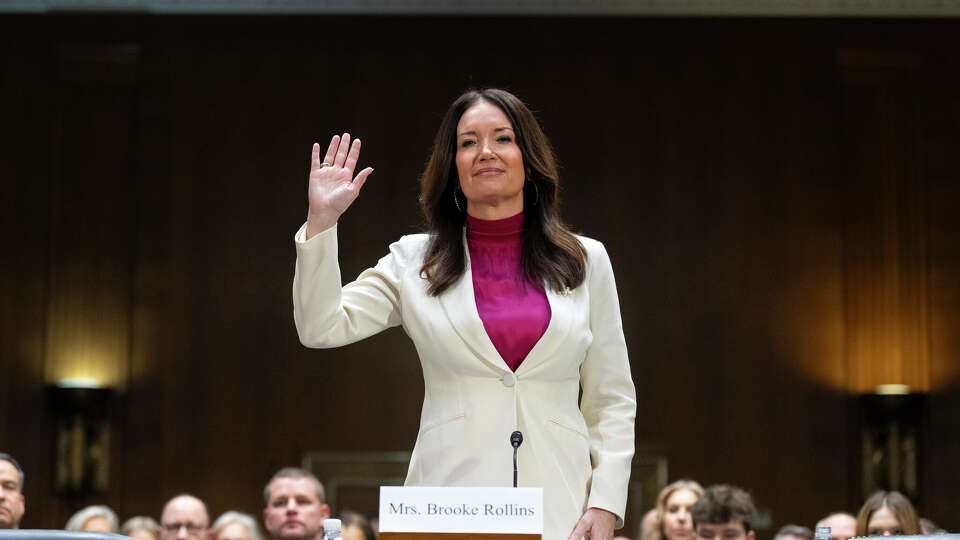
[[514, 311]]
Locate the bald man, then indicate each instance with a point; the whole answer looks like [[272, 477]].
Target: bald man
[[184, 517]]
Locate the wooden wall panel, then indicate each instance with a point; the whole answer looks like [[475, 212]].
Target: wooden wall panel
[[710, 156]]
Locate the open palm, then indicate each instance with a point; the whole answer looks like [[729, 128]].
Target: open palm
[[333, 187]]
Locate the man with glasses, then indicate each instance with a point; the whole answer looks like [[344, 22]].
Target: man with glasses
[[12, 502], [184, 517], [724, 513]]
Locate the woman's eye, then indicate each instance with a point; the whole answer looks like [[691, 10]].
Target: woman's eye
[[504, 139], [465, 144]]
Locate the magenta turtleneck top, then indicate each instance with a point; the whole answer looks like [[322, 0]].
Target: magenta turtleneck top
[[514, 311]]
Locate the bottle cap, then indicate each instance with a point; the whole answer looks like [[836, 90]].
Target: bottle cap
[[331, 526]]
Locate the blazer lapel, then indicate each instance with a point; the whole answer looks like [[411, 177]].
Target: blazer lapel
[[561, 317], [460, 306]]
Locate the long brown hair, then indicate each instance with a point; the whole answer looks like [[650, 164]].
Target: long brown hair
[[551, 253]]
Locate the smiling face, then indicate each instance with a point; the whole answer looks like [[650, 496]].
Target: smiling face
[[489, 163], [677, 523], [293, 510]]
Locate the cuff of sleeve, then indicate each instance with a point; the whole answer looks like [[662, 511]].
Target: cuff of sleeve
[[598, 502], [300, 237]]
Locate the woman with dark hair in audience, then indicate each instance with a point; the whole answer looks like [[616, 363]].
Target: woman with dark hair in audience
[[887, 513], [354, 526], [516, 319], [673, 521]]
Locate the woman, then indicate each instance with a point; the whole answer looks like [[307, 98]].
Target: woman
[[887, 513], [354, 526], [673, 521], [140, 528], [95, 518], [512, 319], [235, 526]]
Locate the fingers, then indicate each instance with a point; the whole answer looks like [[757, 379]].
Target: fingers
[[352, 156], [332, 149], [315, 156], [341, 157], [581, 529], [362, 177]]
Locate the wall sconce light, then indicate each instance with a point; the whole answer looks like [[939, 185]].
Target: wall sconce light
[[82, 409], [891, 421]]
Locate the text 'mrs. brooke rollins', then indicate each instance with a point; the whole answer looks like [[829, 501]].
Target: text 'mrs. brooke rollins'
[[502, 510]]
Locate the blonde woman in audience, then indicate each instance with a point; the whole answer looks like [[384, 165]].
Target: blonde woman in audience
[[235, 526], [96, 518], [887, 513], [140, 528], [673, 521]]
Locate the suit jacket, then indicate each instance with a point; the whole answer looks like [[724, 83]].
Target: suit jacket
[[578, 448]]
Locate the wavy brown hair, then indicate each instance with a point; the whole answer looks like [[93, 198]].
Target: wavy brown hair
[[551, 252]]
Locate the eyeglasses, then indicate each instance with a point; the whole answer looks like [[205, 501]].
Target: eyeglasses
[[191, 528]]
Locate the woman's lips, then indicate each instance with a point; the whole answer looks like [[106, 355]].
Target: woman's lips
[[484, 172]]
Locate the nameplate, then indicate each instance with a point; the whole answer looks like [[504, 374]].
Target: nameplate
[[461, 510]]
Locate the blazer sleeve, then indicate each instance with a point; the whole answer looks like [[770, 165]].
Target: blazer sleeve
[[328, 315], [609, 400]]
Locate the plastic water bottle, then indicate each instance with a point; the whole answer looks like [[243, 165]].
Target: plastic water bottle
[[331, 529]]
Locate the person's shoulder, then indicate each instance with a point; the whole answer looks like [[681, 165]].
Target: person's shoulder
[[591, 245], [410, 247]]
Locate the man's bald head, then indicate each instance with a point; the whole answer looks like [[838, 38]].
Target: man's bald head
[[184, 517], [842, 525]]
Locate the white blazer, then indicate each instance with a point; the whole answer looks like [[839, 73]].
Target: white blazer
[[577, 448]]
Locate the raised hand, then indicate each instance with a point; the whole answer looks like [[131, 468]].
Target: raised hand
[[332, 184]]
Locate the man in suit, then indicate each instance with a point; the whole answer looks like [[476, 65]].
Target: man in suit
[[184, 517], [12, 502], [724, 513], [295, 507]]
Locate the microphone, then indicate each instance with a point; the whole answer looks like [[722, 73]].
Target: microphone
[[516, 439]]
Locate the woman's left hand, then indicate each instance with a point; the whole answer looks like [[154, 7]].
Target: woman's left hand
[[595, 524]]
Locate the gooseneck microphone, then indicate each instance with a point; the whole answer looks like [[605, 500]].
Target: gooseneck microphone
[[516, 439]]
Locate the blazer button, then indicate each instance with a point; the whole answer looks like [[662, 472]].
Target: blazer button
[[509, 379]]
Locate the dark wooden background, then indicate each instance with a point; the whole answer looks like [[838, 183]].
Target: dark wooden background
[[779, 198]]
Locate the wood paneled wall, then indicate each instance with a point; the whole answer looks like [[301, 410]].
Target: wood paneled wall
[[778, 197]]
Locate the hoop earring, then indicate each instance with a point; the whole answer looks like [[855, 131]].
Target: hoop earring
[[455, 201]]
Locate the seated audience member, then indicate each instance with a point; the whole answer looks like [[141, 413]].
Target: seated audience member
[[724, 513], [235, 526], [12, 501], [843, 526], [354, 526], [97, 518], [140, 528], [672, 519], [887, 513], [184, 517], [295, 507], [929, 527], [793, 532]]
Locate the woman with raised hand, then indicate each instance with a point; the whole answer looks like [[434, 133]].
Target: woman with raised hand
[[515, 319]]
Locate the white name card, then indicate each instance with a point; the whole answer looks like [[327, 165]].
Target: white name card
[[461, 510]]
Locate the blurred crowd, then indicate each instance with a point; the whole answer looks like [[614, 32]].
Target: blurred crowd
[[687, 511], [295, 508]]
